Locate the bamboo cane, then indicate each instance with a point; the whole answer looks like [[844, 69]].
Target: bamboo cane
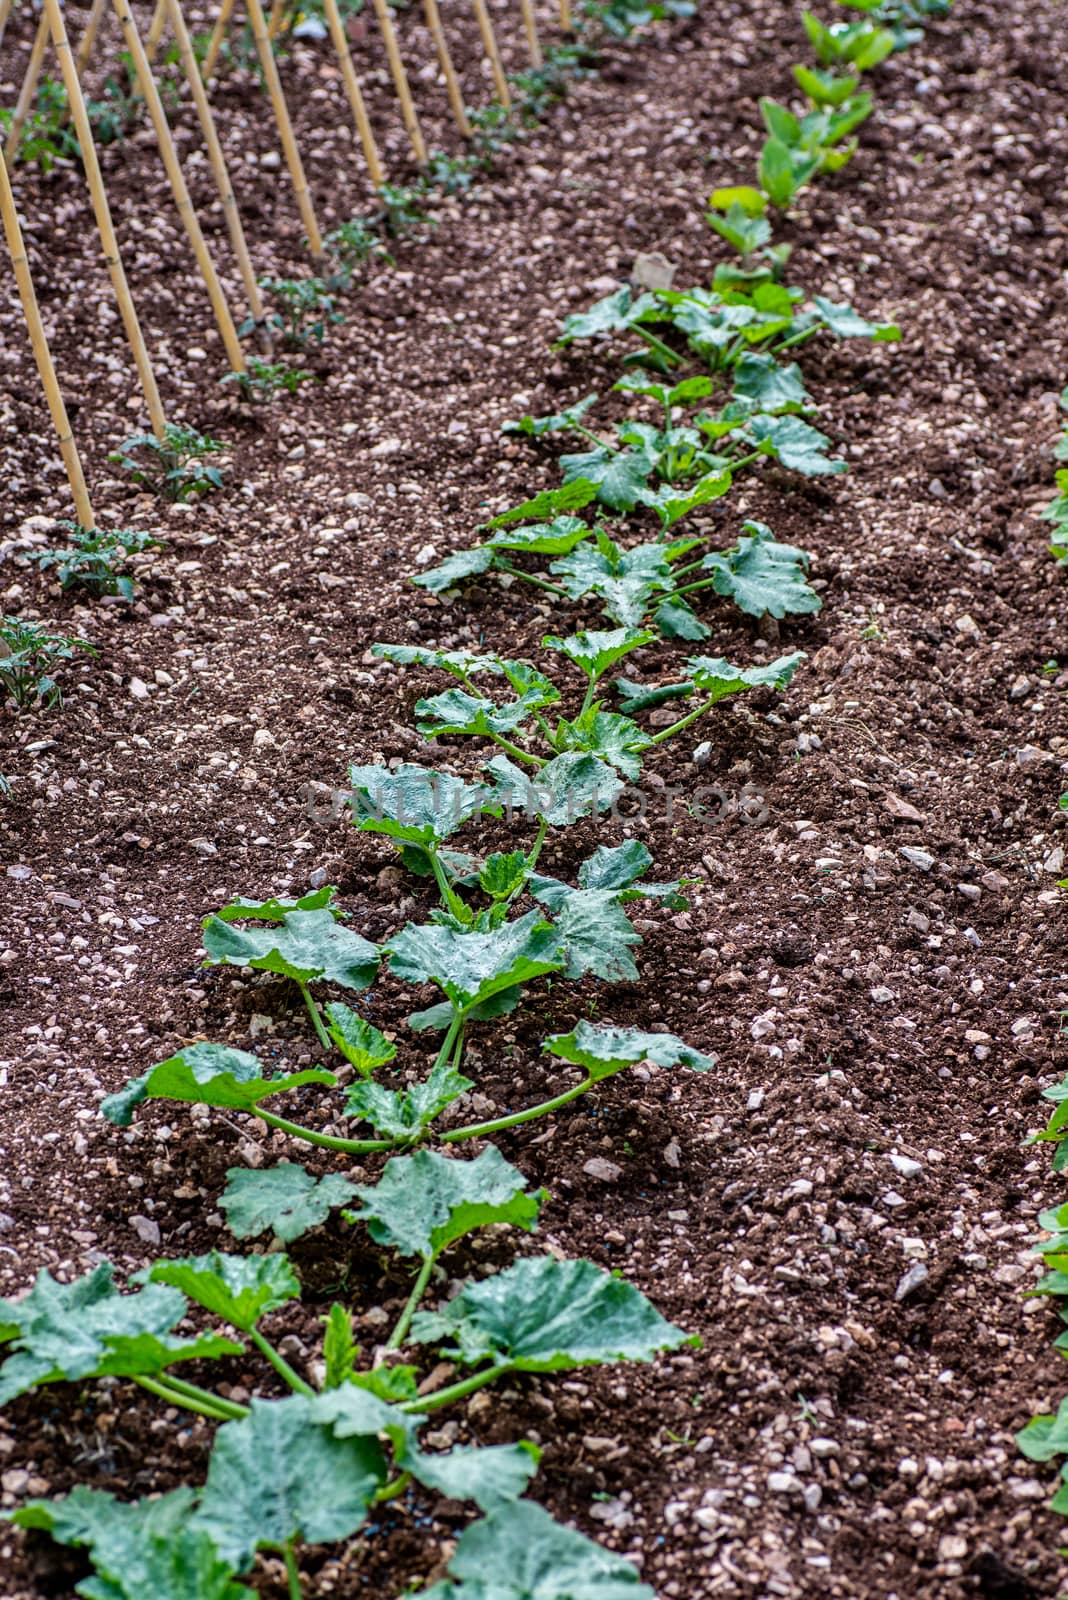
[[489, 43], [566, 22], [150, 94], [155, 30], [5, 12], [68, 449], [274, 21], [88, 38], [452, 84], [285, 127], [352, 89], [218, 34], [400, 82], [102, 212], [531, 27], [27, 94], [216, 157]]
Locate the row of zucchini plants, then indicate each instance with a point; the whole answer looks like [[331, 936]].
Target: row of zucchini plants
[[305, 1456]]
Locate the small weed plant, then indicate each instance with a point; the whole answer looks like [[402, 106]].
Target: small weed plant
[[29, 657]]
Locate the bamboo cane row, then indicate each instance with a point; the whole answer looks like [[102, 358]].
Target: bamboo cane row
[[52, 29]]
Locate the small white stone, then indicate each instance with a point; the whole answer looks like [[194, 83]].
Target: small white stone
[[905, 1165]]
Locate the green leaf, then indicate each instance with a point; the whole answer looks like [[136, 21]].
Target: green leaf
[[454, 569], [544, 1315], [620, 475], [604, 1049], [613, 738], [425, 1202], [185, 1565], [564, 790], [520, 1553], [88, 1329], [751, 200], [614, 314], [210, 1075], [640, 697], [285, 1199], [503, 874], [309, 946], [273, 910], [619, 867], [571, 497], [277, 1475], [769, 384], [795, 443], [676, 619], [741, 231], [593, 652], [595, 932], [457, 712], [491, 1475], [457, 662], [414, 803], [762, 576], [339, 1347], [402, 1114], [353, 1410], [472, 967], [779, 172], [558, 422], [238, 1289], [94, 1519], [846, 323], [672, 501], [717, 678], [553, 538], [826, 88], [780, 122], [1047, 1436], [627, 581], [360, 1042]]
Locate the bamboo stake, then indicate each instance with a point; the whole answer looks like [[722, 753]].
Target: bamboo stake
[[400, 82], [218, 34], [565, 16], [5, 12], [27, 93], [155, 30], [102, 212], [352, 89], [456, 99], [274, 22], [150, 94], [216, 157], [285, 127], [88, 38], [68, 449], [489, 42], [531, 27]]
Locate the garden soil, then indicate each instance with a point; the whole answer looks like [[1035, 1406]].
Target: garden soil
[[875, 944]]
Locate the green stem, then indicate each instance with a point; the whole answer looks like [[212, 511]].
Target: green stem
[[313, 1011], [529, 577], [183, 1402], [594, 438], [325, 1141], [390, 1491], [456, 1391], [514, 750], [683, 722], [193, 1391], [280, 1364], [292, 1572], [535, 852], [658, 345], [452, 900], [453, 1032], [481, 1130], [795, 339], [688, 588], [404, 1321], [691, 566], [745, 461]]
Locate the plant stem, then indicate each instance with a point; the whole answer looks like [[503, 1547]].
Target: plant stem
[[184, 1402], [326, 1141], [658, 345], [456, 1391], [480, 1130], [193, 1391], [795, 339], [316, 1016], [683, 722], [453, 1031], [292, 1572], [514, 750], [539, 583], [404, 1321], [280, 1364], [594, 438], [745, 461], [703, 583], [591, 689], [535, 851], [390, 1491], [452, 900]]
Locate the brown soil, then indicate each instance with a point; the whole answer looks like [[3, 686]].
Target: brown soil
[[829, 1439]]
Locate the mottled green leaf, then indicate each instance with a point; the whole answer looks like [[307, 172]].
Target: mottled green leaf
[[413, 803], [716, 677], [210, 1075], [763, 577], [274, 910], [424, 1202], [570, 497], [569, 787], [594, 651], [796, 444], [620, 475], [471, 967], [490, 1475], [307, 947], [520, 1553], [286, 1200], [604, 1049], [360, 1042], [238, 1289], [398, 1114], [454, 569]]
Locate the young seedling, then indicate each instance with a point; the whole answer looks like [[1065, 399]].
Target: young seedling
[[93, 558], [29, 655], [47, 137], [354, 244], [307, 307], [860, 45], [262, 380], [174, 467]]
